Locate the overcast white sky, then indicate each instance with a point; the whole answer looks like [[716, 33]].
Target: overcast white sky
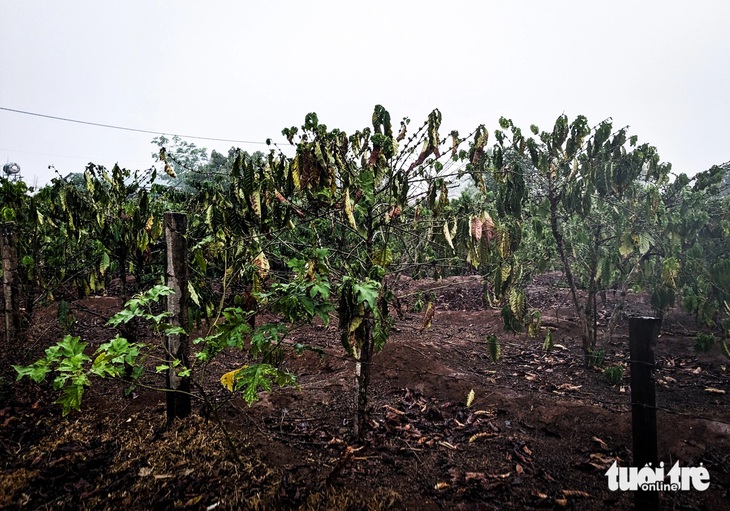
[[244, 70]]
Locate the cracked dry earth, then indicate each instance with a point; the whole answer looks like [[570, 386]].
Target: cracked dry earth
[[540, 433]]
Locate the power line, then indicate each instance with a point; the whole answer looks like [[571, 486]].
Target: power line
[[110, 126]]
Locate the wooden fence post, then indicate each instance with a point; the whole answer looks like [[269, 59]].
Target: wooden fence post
[[177, 346], [11, 291], [643, 333]]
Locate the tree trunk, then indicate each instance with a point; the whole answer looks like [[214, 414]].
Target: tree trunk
[[11, 291], [560, 243], [362, 378], [364, 364], [177, 345], [591, 314]]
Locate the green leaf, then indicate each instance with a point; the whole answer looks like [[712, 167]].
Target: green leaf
[[71, 347], [174, 330], [200, 261], [320, 288], [71, 398], [123, 316], [366, 292], [494, 347], [259, 377], [36, 372]]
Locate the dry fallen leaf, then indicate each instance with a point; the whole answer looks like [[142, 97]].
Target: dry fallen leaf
[[500, 476], [393, 410], [600, 442], [481, 435], [575, 493], [440, 486], [569, 387], [145, 471]]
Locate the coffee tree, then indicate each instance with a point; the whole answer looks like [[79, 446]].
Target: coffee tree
[[362, 189], [596, 190]]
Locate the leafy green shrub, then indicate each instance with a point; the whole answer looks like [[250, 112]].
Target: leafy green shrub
[[704, 343], [596, 358], [419, 304], [73, 368], [548, 344], [614, 374], [495, 350]]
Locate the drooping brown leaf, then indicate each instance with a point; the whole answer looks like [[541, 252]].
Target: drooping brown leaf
[[476, 228]]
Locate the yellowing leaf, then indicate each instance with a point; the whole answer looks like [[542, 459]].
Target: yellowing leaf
[[295, 173], [627, 246], [447, 235], [169, 171], [506, 270], [428, 316], [383, 256], [575, 493], [228, 380], [348, 210], [255, 202], [504, 245], [193, 294], [476, 437], [470, 398], [104, 264], [355, 322], [262, 265]]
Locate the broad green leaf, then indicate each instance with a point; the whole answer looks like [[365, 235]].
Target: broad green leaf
[[71, 398], [36, 372], [367, 292]]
